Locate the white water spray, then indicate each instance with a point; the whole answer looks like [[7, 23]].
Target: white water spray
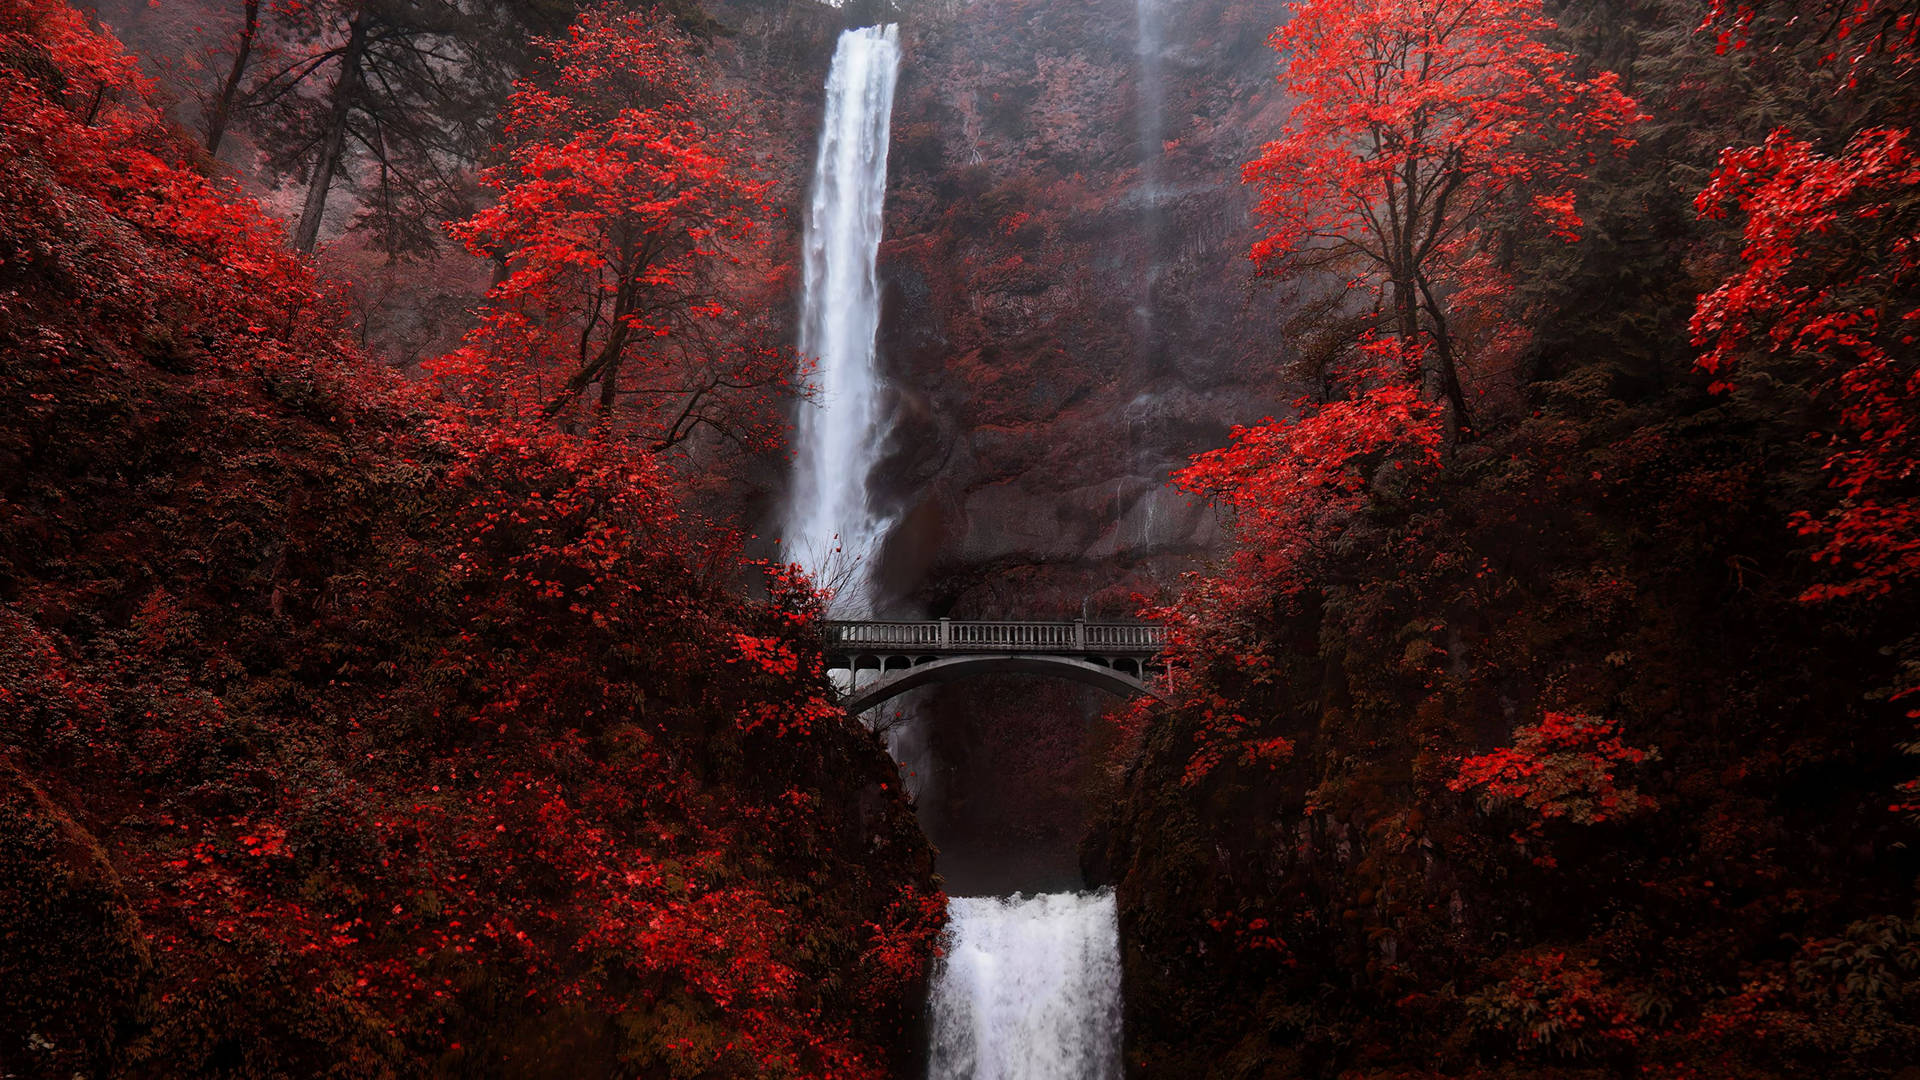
[[1150, 196], [1151, 117], [831, 526], [1029, 989]]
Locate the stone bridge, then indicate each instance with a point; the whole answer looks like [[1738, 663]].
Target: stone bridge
[[1117, 657]]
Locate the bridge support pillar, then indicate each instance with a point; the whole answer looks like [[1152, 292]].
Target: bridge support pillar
[[946, 632], [1079, 635]]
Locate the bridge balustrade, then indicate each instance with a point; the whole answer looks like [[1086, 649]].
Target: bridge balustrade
[[948, 635], [1118, 657]]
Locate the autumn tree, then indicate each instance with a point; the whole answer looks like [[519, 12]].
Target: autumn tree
[[1415, 121], [629, 224]]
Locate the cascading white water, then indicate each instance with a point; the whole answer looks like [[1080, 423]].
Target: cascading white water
[[831, 526], [1150, 117], [1029, 989], [1150, 194]]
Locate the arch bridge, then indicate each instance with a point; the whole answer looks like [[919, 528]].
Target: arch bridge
[[1117, 657]]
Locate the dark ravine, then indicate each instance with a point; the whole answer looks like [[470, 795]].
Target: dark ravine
[[1051, 366], [256, 601]]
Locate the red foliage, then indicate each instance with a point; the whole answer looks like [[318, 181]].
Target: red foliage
[[1293, 487], [1854, 34], [1413, 121], [391, 725], [1561, 769], [1546, 1001], [628, 219], [1830, 278], [1292, 484], [1829, 275], [74, 120]]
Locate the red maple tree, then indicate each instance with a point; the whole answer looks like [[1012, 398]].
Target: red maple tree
[[628, 226], [1414, 120]]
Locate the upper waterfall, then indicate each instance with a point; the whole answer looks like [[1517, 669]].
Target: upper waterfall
[[832, 527]]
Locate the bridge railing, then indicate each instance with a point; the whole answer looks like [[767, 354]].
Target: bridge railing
[[1131, 636], [948, 635], [902, 634]]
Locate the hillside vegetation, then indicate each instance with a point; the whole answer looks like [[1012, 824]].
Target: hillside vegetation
[[346, 734], [1552, 714]]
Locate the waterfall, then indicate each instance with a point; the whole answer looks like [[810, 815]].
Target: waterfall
[[831, 525], [1029, 989], [1030, 986], [1150, 127], [1150, 197], [1150, 119]]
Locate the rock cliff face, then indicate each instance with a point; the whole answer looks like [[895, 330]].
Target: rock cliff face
[[1064, 195], [1068, 303]]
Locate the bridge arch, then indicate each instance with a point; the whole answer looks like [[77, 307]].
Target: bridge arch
[[897, 681]]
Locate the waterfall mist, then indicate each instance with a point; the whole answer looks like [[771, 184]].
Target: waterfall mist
[[1150, 122], [1029, 989], [831, 527]]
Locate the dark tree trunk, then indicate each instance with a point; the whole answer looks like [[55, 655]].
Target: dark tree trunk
[[345, 90], [1446, 380], [230, 90]]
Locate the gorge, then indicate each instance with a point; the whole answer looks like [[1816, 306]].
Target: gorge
[[1028, 988], [1487, 425]]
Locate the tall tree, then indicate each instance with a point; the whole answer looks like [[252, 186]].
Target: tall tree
[[343, 98], [629, 224], [220, 105], [1414, 121], [406, 88]]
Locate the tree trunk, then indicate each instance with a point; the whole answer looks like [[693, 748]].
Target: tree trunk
[[607, 391], [603, 368], [1439, 378], [1406, 318], [345, 90], [230, 90], [1446, 372]]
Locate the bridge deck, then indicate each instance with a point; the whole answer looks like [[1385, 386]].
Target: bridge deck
[[935, 637]]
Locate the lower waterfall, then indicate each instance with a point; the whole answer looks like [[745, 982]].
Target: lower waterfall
[[1029, 989]]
